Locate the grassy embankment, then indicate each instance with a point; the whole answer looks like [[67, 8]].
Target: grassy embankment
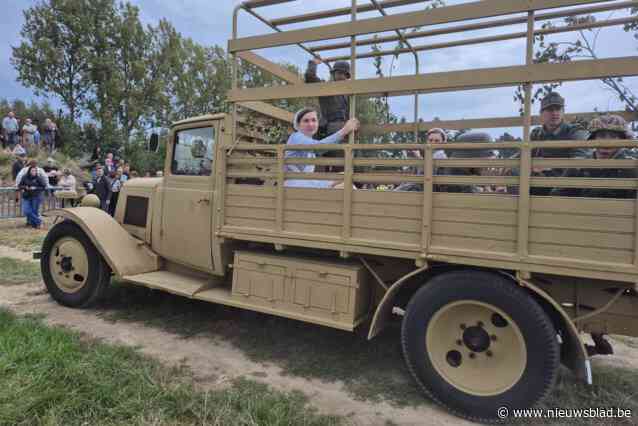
[[51, 376]]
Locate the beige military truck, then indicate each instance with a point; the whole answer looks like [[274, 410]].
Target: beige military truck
[[493, 290]]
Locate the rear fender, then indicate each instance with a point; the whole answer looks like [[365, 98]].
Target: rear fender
[[573, 352], [124, 254]]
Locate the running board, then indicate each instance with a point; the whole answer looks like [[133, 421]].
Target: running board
[[172, 282]]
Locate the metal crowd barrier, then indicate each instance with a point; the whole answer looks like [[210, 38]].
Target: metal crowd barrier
[[11, 205]]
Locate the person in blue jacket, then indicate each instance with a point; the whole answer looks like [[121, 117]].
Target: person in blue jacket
[[306, 124]]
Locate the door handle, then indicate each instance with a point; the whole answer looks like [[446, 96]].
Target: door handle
[[203, 200]]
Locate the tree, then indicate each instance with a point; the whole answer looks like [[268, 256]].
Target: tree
[[583, 46], [53, 57]]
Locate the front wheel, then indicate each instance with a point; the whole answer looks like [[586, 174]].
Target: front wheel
[[476, 342], [73, 270]]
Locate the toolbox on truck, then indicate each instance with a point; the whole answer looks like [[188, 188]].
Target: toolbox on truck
[[325, 292]]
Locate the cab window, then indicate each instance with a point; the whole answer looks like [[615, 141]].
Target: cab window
[[194, 152]]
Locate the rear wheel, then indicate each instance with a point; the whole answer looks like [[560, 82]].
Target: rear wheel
[[73, 270], [475, 342]]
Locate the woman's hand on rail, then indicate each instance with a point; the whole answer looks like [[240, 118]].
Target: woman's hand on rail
[[350, 126]]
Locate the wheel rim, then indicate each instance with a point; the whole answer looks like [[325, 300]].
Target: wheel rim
[[69, 264], [476, 347]]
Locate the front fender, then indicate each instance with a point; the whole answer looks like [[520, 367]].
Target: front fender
[[123, 253]]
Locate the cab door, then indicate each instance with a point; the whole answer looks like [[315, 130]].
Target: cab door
[[187, 196]]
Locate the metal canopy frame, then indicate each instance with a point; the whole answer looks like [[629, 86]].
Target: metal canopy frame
[[528, 74], [249, 7]]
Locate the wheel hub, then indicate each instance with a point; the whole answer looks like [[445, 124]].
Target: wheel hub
[[66, 264], [69, 264], [476, 347], [476, 339]]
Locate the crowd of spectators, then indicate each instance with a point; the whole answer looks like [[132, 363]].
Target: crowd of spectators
[[19, 136], [34, 181]]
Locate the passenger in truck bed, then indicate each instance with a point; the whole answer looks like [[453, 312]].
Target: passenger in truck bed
[[306, 124], [606, 127]]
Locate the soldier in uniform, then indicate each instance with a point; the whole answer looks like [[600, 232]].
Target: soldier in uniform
[[605, 127], [555, 128], [335, 110]]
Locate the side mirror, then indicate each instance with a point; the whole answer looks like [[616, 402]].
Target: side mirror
[[153, 142]]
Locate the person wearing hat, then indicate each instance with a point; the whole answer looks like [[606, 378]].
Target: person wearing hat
[[335, 110], [554, 128], [470, 137], [607, 127]]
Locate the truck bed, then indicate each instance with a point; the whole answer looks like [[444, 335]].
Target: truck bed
[[581, 237]]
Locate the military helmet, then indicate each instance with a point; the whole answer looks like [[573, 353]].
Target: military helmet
[[90, 200], [342, 66], [472, 137], [611, 123], [552, 99]]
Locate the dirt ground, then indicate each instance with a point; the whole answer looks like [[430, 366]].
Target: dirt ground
[[214, 362]]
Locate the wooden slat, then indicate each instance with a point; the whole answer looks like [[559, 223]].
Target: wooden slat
[[489, 217], [477, 26], [390, 224], [577, 222], [389, 198], [468, 11], [313, 218], [384, 236], [273, 68], [250, 223], [250, 190], [250, 213], [313, 229], [475, 201], [293, 194], [339, 12], [319, 206], [585, 164], [606, 208], [474, 230], [387, 210], [584, 254], [450, 81], [481, 244], [563, 237], [480, 123], [584, 183], [257, 202], [488, 39], [269, 110], [475, 180]]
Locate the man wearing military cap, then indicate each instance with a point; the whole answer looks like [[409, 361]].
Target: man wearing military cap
[[554, 128], [607, 127], [335, 110]]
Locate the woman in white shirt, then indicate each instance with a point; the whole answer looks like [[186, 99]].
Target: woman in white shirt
[[306, 123]]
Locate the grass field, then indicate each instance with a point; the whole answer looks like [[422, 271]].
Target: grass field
[[51, 376], [372, 371], [18, 271], [22, 238]]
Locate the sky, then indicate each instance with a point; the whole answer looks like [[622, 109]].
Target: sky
[[209, 22]]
